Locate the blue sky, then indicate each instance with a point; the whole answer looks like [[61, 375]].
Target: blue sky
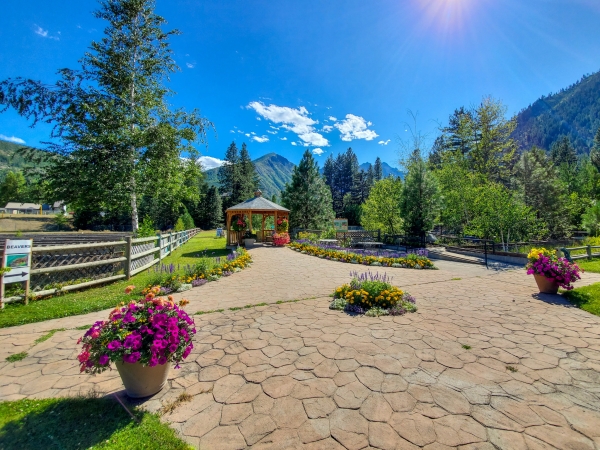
[[284, 75]]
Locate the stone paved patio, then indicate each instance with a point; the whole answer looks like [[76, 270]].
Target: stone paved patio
[[298, 375]]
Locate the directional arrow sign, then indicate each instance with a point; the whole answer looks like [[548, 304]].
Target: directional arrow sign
[[22, 274]]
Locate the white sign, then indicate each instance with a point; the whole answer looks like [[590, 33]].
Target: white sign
[[17, 256]]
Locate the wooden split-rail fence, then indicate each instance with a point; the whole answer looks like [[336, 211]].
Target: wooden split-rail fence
[[63, 268]]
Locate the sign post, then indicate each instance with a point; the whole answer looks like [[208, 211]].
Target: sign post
[[340, 224], [16, 257]]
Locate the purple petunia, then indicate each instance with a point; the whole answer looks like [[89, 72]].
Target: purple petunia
[[114, 345], [132, 358], [103, 360]]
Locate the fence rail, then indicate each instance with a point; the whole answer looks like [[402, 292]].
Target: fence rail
[[567, 251], [62, 268]]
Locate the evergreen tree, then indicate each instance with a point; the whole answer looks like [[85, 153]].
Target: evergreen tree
[[595, 151], [115, 132], [370, 177], [307, 196], [562, 152], [248, 177], [420, 197], [274, 198], [229, 175], [212, 211], [377, 170]]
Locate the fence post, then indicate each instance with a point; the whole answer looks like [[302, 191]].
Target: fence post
[[485, 250], [159, 249], [128, 240], [170, 242], [589, 251]]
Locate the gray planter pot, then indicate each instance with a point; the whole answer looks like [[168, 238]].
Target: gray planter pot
[[248, 243], [143, 381]]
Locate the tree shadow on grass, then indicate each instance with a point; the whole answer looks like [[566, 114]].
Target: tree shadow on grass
[[213, 253], [68, 423]]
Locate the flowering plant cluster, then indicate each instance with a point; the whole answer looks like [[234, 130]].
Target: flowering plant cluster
[[281, 239], [282, 225], [202, 272], [240, 224], [372, 295], [411, 260], [152, 331], [546, 263]]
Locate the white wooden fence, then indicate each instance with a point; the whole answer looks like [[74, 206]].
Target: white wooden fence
[[102, 261]]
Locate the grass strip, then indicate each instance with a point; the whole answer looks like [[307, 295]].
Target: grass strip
[[82, 423], [586, 298]]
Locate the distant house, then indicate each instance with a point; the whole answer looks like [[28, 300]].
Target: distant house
[[23, 208], [55, 208]]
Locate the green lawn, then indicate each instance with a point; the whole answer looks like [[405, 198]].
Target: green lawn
[[96, 299], [592, 265], [82, 423], [586, 298]]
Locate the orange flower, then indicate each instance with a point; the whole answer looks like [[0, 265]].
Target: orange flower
[[129, 289], [170, 297], [184, 302]]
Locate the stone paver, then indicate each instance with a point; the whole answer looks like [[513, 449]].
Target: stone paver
[[298, 375]]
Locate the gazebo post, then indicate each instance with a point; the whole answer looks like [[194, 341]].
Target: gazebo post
[[228, 225], [250, 220], [262, 229]]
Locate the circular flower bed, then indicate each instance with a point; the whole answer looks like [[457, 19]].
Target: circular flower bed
[[152, 331], [372, 295]]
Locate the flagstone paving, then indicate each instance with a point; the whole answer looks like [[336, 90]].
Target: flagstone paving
[[484, 363]]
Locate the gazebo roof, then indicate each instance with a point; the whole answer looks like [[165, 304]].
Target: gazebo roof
[[258, 203]]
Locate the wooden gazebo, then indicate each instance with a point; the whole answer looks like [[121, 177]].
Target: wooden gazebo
[[257, 206]]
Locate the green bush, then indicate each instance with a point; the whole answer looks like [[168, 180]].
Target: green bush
[[179, 226], [188, 221], [146, 228]]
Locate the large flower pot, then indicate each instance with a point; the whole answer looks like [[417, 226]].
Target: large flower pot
[[142, 381], [545, 285]]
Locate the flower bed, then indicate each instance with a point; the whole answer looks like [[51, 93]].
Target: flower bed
[[394, 259], [205, 270], [372, 295], [548, 264], [281, 239], [152, 331]]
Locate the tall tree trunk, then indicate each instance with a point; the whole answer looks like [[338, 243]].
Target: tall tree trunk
[[134, 209]]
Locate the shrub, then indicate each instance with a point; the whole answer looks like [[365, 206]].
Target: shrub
[[146, 228], [281, 239], [179, 225]]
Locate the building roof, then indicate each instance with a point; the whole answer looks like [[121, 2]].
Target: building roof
[[16, 205], [258, 203]]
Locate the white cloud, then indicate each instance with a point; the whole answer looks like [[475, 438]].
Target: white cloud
[[253, 133], [232, 131], [190, 65], [14, 139], [355, 127], [271, 132], [294, 144], [248, 134], [260, 139], [333, 119], [44, 33], [258, 118], [384, 142], [284, 138], [327, 128], [292, 119], [318, 151], [208, 162]]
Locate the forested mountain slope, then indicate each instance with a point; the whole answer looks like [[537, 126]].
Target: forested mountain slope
[[573, 112]]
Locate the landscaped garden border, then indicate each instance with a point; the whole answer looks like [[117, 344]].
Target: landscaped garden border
[[410, 261]]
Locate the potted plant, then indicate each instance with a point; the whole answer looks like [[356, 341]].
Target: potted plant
[[143, 339], [249, 239], [550, 271]]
